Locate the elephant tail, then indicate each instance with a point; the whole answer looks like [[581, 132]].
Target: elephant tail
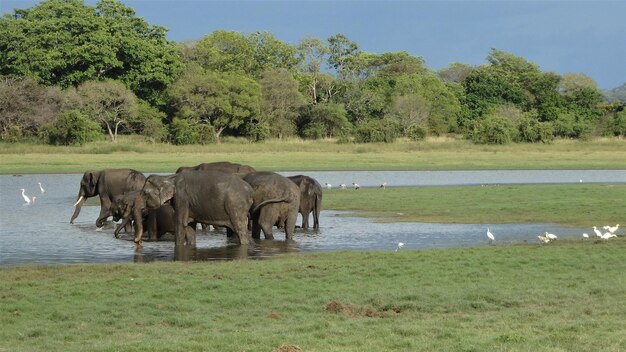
[[268, 201]]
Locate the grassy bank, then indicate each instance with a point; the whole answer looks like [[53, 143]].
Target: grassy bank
[[566, 296], [444, 154], [569, 205]]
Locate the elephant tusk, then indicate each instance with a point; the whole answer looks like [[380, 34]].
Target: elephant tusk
[[78, 201]]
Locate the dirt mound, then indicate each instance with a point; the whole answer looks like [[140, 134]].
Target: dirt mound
[[288, 348], [352, 310]]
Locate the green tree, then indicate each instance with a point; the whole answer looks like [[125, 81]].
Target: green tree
[[494, 130], [456, 72], [222, 100], [72, 127], [325, 120], [109, 103], [342, 55], [66, 43], [312, 52], [281, 102]]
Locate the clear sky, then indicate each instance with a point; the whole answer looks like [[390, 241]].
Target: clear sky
[[562, 36]]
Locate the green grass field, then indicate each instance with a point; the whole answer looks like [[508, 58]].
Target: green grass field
[[437, 154], [566, 296]]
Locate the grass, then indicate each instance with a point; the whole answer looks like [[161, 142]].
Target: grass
[[566, 296], [288, 155], [569, 205]]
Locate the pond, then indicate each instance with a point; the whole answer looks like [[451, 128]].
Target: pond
[[40, 232]]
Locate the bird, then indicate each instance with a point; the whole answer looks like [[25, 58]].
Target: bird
[[490, 236], [383, 185], [41, 188], [551, 236], [329, 186], [607, 235], [543, 239], [356, 185], [585, 235], [343, 186], [400, 245], [598, 233], [26, 199], [612, 229]]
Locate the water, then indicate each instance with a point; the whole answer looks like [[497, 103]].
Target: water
[[40, 232]]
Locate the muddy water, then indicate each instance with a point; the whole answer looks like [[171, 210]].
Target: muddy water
[[40, 232]]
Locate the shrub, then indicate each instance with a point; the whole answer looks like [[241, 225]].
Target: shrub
[[568, 126], [72, 128], [618, 125], [494, 130], [533, 131], [184, 131], [416, 132], [375, 131]]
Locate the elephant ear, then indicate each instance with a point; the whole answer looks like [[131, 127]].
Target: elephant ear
[[93, 180], [167, 190]]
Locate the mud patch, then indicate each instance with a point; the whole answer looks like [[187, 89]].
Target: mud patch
[[353, 310], [288, 348]]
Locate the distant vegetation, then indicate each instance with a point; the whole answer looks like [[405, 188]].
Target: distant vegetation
[[72, 73]]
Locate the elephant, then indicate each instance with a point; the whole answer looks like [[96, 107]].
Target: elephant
[[106, 183], [132, 206], [276, 202], [224, 166], [211, 197], [310, 199]]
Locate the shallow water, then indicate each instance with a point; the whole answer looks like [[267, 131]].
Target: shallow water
[[40, 232]]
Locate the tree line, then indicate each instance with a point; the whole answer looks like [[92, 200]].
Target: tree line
[[71, 73]]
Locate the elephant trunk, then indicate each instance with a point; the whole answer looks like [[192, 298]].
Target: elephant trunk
[[78, 205]]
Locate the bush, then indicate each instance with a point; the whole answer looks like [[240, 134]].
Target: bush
[[568, 126], [416, 132], [533, 131], [375, 131], [494, 130], [314, 130], [618, 125], [72, 128]]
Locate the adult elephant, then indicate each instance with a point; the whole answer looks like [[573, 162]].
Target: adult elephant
[[224, 166], [276, 202], [310, 199], [211, 197], [106, 183], [131, 207]]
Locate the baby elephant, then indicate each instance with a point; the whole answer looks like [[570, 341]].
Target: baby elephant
[[131, 206]]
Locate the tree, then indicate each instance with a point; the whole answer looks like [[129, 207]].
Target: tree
[[109, 103], [342, 55], [72, 127], [66, 43], [222, 100], [456, 72], [572, 82], [281, 102], [312, 52], [271, 53], [325, 120], [25, 107], [225, 51]]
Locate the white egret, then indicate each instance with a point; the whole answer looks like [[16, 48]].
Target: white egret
[[543, 239], [598, 233], [607, 235], [383, 185], [356, 185], [329, 186], [551, 236], [585, 235], [343, 186], [41, 188], [26, 199], [400, 245], [490, 236], [612, 229]]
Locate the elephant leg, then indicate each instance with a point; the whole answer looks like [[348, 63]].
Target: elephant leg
[[256, 229], [151, 224], [266, 221], [190, 235], [305, 219], [241, 232], [316, 219], [181, 224], [105, 211]]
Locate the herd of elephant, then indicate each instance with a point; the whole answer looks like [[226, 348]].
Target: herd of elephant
[[221, 194]]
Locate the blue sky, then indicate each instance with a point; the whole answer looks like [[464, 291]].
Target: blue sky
[[562, 36]]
